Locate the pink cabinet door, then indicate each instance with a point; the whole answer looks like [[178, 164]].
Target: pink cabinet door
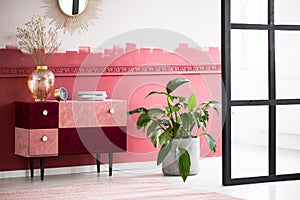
[[43, 142], [92, 113], [36, 142]]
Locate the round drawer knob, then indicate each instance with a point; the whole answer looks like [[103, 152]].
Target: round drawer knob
[[112, 110], [44, 138], [45, 112]]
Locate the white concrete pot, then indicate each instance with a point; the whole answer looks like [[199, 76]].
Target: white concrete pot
[[192, 145]]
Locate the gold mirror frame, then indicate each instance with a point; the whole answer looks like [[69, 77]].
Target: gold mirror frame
[[71, 23]]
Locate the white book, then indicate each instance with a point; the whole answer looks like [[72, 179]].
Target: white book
[[92, 98], [95, 93]]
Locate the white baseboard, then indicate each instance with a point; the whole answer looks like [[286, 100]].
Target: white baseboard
[[137, 167]]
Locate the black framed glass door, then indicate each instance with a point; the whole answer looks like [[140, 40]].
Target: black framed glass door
[[261, 99]]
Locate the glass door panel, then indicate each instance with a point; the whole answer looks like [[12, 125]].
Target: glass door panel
[[249, 141], [242, 11], [249, 65], [288, 139], [287, 12], [287, 64]]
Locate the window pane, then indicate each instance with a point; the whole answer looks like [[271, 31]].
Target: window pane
[[249, 143], [287, 12], [287, 65], [249, 65], [288, 139], [249, 11]]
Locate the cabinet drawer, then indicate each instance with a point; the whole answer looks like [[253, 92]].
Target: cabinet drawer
[[36, 142], [92, 140], [37, 115], [92, 113]]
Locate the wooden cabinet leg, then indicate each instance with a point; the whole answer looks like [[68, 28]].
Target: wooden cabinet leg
[[42, 162], [98, 162], [110, 161], [31, 166]]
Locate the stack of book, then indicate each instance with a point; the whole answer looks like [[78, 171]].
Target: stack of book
[[92, 95]]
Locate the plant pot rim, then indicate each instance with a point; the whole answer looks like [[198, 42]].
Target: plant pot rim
[[188, 137]]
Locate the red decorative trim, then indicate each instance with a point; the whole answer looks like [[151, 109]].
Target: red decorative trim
[[115, 70], [14, 72], [116, 61]]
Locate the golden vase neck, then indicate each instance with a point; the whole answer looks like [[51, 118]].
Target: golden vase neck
[[41, 67]]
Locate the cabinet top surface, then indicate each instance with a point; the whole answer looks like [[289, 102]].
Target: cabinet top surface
[[70, 101]]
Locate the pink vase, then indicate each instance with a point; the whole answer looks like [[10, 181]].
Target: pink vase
[[40, 83]]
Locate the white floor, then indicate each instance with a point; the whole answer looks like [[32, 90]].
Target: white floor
[[209, 179]]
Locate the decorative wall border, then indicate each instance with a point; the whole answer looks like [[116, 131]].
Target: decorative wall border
[[128, 60], [115, 70]]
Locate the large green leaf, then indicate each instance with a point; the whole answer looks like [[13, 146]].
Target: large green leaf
[[154, 139], [173, 84], [163, 152], [192, 121], [138, 110], [152, 128], [185, 121], [176, 127], [192, 103], [196, 116], [155, 92], [212, 104], [143, 120], [164, 122], [211, 142], [203, 125], [165, 137], [155, 113], [215, 105], [204, 114], [183, 162]]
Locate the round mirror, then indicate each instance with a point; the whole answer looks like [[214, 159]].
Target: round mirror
[[72, 7], [72, 15]]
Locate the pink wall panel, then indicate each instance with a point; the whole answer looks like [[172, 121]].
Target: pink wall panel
[[131, 85]]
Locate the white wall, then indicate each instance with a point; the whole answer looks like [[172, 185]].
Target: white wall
[[198, 20]]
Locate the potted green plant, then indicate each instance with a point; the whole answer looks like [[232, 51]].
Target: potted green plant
[[172, 128]]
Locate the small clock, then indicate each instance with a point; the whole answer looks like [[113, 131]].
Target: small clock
[[61, 94]]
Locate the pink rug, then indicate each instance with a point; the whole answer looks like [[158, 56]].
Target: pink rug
[[116, 190]]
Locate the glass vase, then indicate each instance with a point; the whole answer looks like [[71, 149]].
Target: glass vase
[[40, 83]]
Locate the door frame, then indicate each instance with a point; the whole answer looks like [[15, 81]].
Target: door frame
[[271, 102]]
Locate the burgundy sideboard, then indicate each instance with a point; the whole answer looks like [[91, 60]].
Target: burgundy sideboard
[[52, 128]]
